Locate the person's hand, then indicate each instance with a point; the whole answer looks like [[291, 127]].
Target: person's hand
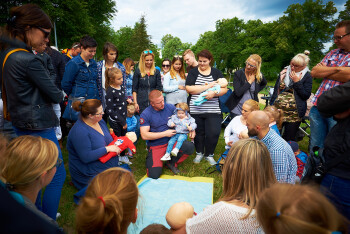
[[111, 130], [251, 77], [192, 135], [243, 134], [113, 148], [170, 132], [212, 84], [182, 87], [172, 125], [209, 95], [321, 65], [230, 143], [125, 126], [189, 128], [129, 100], [295, 78], [137, 108]]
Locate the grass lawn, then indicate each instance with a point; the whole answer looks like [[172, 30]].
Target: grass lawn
[[188, 168]]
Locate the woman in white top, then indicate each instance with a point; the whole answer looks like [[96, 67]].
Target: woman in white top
[[237, 128], [174, 82], [247, 172]]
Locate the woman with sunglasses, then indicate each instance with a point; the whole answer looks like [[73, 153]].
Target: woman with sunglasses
[[166, 64], [174, 82], [28, 90], [87, 141], [146, 78], [247, 83], [292, 89], [28, 165]]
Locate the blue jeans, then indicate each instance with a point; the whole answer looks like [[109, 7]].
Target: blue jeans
[[337, 190], [319, 127], [179, 139], [52, 194]]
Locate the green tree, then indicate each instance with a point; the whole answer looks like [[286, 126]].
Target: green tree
[[172, 47], [140, 40], [122, 39], [165, 39], [345, 14]]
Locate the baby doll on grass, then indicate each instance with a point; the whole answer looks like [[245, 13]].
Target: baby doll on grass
[[183, 123], [221, 83]]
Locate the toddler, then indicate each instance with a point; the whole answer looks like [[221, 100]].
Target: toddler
[[131, 122], [183, 123], [276, 118], [300, 156]]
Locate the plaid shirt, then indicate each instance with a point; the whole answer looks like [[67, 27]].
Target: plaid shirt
[[335, 58], [282, 156]]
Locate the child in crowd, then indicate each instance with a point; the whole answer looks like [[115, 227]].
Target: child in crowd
[[129, 65], [177, 216], [276, 118], [131, 121], [116, 104], [300, 156], [183, 123], [155, 228], [221, 83]]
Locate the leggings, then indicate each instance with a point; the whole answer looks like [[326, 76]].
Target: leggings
[[207, 133], [52, 194]]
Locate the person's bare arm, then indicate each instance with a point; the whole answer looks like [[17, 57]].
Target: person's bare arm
[[197, 89], [146, 134], [341, 74]]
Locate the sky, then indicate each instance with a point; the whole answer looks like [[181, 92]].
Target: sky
[[188, 19]]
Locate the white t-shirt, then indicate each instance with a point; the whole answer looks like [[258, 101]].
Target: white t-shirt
[[223, 217], [233, 129]]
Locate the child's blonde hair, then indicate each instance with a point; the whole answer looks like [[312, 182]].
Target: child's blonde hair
[[26, 158], [130, 108], [276, 114], [110, 73], [183, 106]]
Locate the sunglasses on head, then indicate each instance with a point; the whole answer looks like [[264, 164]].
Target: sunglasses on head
[[177, 56], [148, 51], [46, 33]]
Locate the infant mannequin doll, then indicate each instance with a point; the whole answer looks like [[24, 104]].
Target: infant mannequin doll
[[183, 123], [221, 83], [123, 143], [177, 216]]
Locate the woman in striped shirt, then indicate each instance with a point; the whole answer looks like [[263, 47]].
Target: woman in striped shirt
[[207, 115]]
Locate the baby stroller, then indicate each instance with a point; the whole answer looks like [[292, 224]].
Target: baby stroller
[[224, 109]]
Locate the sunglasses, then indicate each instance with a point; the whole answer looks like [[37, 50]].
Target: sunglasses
[[250, 65], [165, 65], [46, 33], [58, 163], [148, 51], [177, 56]]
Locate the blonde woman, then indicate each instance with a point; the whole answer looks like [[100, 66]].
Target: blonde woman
[[146, 78], [247, 172], [292, 89], [174, 82], [286, 208], [247, 83], [109, 205], [29, 163]]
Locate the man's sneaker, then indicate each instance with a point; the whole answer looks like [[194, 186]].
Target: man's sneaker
[[125, 159], [174, 152], [198, 158], [166, 157], [211, 160], [173, 168]]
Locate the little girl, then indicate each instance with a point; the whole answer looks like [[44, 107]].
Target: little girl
[[116, 104], [183, 123], [276, 118]]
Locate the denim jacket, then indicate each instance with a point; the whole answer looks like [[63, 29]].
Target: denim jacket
[[80, 80]]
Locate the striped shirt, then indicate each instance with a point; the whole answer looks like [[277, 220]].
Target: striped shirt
[[335, 58], [196, 78]]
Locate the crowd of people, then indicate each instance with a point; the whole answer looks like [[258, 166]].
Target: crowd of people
[[177, 111]]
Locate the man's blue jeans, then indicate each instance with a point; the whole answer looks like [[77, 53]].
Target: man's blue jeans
[[179, 139], [337, 191], [52, 195], [319, 127]]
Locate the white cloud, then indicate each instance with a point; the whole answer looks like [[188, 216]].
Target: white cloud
[[187, 19]]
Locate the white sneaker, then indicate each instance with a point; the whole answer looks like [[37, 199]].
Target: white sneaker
[[198, 158], [125, 159], [58, 215], [211, 160], [174, 152], [166, 157]]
